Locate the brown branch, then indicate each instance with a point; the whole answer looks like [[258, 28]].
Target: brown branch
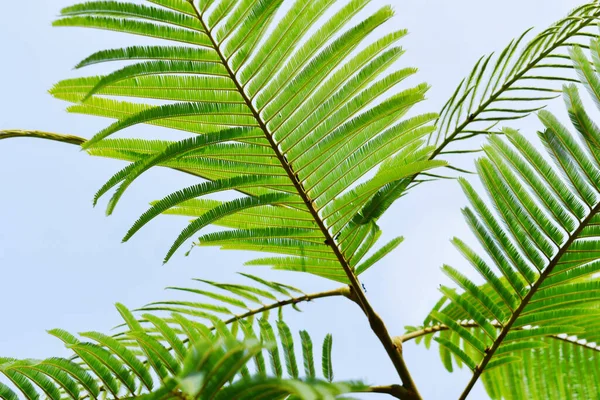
[[396, 391], [430, 330], [78, 141], [343, 291]]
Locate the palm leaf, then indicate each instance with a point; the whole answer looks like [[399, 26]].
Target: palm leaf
[[542, 240], [311, 95]]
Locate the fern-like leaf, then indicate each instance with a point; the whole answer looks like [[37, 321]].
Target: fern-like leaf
[[543, 242]]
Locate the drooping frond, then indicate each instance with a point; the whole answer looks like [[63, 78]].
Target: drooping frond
[[516, 82], [175, 357], [543, 241], [294, 112]]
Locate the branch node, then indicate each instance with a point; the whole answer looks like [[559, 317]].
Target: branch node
[[397, 340]]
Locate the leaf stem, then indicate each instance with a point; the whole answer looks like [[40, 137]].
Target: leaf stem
[[396, 391], [342, 291], [14, 133]]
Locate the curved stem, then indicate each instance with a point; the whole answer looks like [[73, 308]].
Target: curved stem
[[78, 141], [14, 133], [375, 321], [343, 291], [430, 330]]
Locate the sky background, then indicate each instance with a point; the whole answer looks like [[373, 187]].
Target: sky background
[[62, 264]]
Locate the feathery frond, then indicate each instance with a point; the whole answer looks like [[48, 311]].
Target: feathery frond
[[517, 82], [166, 359], [508, 87], [543, 241], [294, 111], [289, 111]]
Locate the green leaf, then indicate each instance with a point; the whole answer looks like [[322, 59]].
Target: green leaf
[[379, 254], [326, 361], [307, 353], [268, 338], [287, 341]]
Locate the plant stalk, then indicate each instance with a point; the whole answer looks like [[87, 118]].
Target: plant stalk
[[343, 291], [393, 390]]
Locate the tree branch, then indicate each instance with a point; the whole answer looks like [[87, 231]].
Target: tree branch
[[76, 140], [430, 330], [344, 291]]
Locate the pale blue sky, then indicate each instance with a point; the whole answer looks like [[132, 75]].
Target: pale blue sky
[[62, 263]]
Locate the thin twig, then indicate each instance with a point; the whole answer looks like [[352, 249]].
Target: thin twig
[[15, 133]]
